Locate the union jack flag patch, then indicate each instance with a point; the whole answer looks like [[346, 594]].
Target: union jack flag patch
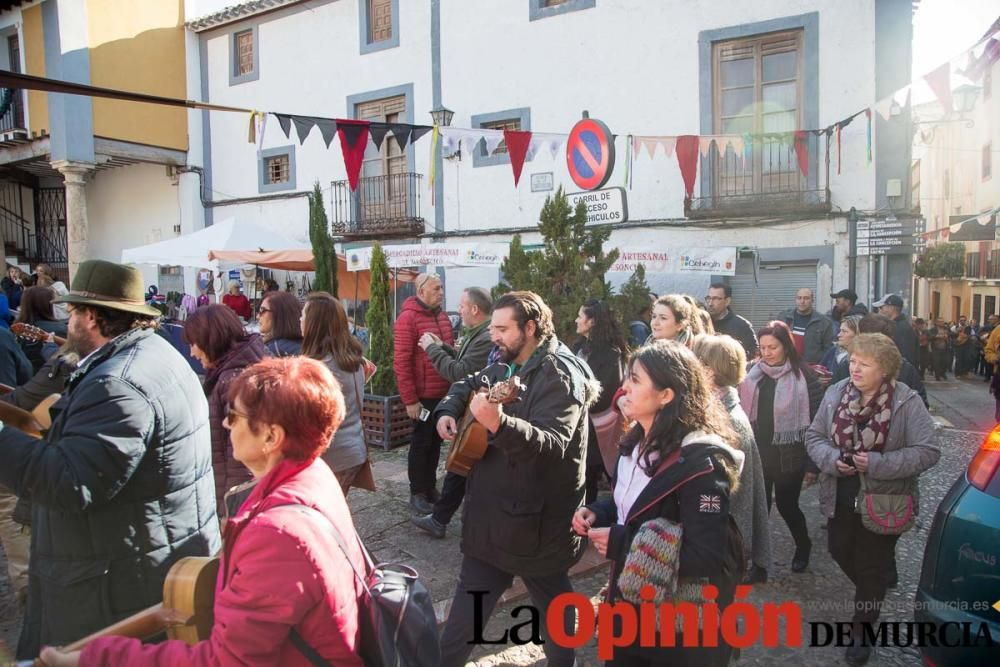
[[709, 504]]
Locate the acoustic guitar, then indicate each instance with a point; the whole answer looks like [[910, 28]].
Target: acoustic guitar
[[186, 612], [469, 445], [31, 333], [33, 423]]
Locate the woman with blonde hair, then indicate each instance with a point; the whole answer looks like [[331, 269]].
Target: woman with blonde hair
[[725, 363], [326, 337], [675, 317], [871, 439]]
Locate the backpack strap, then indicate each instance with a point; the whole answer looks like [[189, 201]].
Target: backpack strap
[[298, 641]]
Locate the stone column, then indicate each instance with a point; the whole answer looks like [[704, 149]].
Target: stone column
[[75, 181]]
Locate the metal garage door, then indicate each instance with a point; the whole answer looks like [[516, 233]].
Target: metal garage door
[[773, 291]]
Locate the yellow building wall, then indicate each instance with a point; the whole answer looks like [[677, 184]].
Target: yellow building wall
[[138, 45], [33, 43]]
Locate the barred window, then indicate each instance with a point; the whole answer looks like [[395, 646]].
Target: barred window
[[277, 169]]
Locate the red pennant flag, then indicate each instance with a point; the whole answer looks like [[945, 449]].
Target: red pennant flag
[[687, 159], [940, 82], [353, 141], [517, 148], [802, 151]]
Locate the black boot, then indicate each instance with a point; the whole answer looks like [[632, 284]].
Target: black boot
[[800, 561], [858, 652], [755, 575]]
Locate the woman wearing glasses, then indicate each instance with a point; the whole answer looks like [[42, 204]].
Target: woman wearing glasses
[[219, 342], [285, 587], [278, 317]]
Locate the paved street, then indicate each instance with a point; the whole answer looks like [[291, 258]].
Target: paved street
[[963, 407]]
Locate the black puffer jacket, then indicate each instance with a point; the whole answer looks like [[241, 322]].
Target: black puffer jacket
[[228, 471], [121, 488], [520, 498]]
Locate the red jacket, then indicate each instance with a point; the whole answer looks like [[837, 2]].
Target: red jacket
[[280, 570], [240, 304], [415, 374]]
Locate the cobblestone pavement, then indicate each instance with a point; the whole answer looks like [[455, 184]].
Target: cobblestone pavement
[[382, 519]]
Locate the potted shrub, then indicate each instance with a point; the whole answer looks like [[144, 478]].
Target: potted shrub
[[383, 414]]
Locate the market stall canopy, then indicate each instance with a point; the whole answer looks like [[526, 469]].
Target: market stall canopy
[[195, 249]]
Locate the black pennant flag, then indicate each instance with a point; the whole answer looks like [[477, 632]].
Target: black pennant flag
[[328, 128], [352, 132], [418, 131], [401, 133], [303, 126], [285, 121], [378, 132]]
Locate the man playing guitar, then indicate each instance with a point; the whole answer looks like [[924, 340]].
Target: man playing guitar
[[520, 498]]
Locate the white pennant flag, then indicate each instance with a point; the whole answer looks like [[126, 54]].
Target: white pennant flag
[[669, 144], [492, 139], [546, 141], [450, 138], [884, 107], [705, 144]]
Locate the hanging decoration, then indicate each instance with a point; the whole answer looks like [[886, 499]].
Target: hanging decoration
[[517, 148], [802, 151], [353, 141], [628, 162], [868, 146], [939, 79], [285, 123], [432, 169], [687, 160]]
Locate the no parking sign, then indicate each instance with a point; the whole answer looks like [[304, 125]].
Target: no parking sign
[[590, 154]]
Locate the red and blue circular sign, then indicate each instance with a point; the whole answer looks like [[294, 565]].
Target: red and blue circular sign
[[590, 154]]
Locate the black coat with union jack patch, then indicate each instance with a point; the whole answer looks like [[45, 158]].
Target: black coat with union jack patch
[[693, 490]]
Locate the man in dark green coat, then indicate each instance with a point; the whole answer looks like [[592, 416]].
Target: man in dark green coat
[[520, 498], [454, 365], [121, 486]]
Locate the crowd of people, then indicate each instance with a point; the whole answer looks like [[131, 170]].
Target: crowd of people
[[671, 442]]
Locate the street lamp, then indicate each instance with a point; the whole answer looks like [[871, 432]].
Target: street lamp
[[442, 116], [964, 101]]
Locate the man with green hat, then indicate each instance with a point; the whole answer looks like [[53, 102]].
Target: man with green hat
[[121, 486]]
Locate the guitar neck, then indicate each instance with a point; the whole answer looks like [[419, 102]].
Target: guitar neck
[[143, 625]]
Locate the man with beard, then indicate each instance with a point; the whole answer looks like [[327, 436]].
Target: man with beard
[[520, 498], [121, 487]]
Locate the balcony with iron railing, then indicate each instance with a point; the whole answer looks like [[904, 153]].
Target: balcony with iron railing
[[765, 180], [385, 206], [13, 120], [979, 266]]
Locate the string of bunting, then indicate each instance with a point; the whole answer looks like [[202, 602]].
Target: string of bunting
[[520, 145]]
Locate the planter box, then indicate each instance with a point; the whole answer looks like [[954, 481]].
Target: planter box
[[385, 421]]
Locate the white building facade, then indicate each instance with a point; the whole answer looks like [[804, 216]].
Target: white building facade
[[649, 69]]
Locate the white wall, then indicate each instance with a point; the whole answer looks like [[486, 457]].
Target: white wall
[[642, 78], [130, 206], [310, 64]]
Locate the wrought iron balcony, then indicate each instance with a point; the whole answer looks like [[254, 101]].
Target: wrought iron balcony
[[765, 182], [381, 207], [13, 119]]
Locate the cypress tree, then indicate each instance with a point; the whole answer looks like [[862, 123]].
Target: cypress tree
[[324, 254], [379, 323]]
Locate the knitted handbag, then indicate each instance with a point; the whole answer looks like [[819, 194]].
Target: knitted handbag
[[653, 559]]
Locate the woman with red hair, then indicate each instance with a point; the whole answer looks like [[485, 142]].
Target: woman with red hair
[[283, 580], [781, 395], [219, 342]]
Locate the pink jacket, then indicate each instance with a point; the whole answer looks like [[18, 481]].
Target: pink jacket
[[416, 376], [280, 570]]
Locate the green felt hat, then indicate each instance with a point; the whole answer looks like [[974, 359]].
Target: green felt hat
[[108, 285]]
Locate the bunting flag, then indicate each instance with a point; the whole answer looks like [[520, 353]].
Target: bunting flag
[[517, 148], [687, 160], [868, 147], [353, 142], [407, 134], [377, 132], [802, 151], [303, 126], [705, 145], [884, 107], [252, 130], [838, 148], [432, 169], [549, 141], [939, 79], [262, 123], [285, 122], [651, 143], [628, 162]]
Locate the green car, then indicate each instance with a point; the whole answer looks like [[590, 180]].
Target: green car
[[960, 579]]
